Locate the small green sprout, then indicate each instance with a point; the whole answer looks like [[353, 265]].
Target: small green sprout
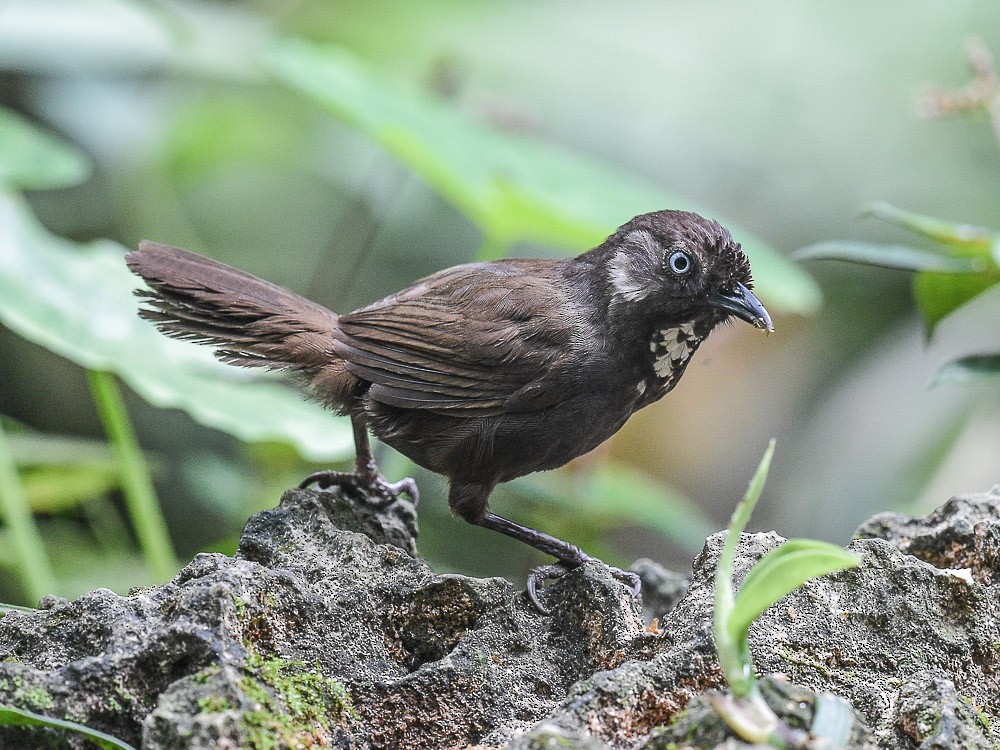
[[774, 576]]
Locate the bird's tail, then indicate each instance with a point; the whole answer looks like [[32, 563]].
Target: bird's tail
[[250, 322]]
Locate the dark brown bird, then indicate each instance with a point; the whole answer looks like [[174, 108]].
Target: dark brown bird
[[486, 371]]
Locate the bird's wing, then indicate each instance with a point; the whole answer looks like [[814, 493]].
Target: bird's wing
[[479, 339]]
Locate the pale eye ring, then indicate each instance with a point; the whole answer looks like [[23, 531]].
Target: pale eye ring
[[680, 262]]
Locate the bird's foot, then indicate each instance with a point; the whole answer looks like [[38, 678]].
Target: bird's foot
[[557, 570], [372, 487]]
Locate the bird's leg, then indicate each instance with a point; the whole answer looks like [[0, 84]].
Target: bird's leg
[[366, 477], [569, 556]]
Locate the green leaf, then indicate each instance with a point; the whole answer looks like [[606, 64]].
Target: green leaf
[[11, 716], [966, 264], [973, 368], [900, 257], [37, 449], [516, 189], [780, 572], [137, 482], [84, 558], [975, 240], [940, 294], [55, 488], [741, 516], [32, 159], [625, 495], [77, 301], [60, 472]]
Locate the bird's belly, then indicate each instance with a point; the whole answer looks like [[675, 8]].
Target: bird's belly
[[501, 447]]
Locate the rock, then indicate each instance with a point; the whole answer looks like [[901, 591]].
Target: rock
[[661, 588], [700, 726], [962, 535], [325, 631], [932, 715]]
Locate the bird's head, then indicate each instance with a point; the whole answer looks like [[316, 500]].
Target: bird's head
[[681, 268]]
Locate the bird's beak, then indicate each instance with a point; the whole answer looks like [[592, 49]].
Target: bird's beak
[[744, 305]]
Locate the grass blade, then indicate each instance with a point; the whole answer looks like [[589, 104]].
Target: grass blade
[[137, 484], [35, 569]]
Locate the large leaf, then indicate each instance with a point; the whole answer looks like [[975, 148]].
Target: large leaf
[[514, 188], [32, 159], [77, 301]]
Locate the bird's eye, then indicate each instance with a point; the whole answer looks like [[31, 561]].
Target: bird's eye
[[679, 262]]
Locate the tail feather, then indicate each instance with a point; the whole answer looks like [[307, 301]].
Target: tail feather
[[251, 322]]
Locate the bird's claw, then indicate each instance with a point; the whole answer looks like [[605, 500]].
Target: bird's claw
[[393, 490], [539, 575], [629, 579], [556, 570], [373, 489]]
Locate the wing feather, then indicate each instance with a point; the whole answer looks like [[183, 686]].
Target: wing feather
[[477, 339]]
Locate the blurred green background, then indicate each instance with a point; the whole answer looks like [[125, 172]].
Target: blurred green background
[[345, 149]]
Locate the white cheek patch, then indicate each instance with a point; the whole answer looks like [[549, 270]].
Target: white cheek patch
[[672, 348], [625, 271]]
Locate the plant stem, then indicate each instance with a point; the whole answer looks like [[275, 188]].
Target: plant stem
[[140, 498], [36, 572], [734, 653]]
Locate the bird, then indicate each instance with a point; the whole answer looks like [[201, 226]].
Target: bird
[[485, 371]]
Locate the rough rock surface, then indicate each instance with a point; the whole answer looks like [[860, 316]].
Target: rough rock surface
[[325, 630]]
